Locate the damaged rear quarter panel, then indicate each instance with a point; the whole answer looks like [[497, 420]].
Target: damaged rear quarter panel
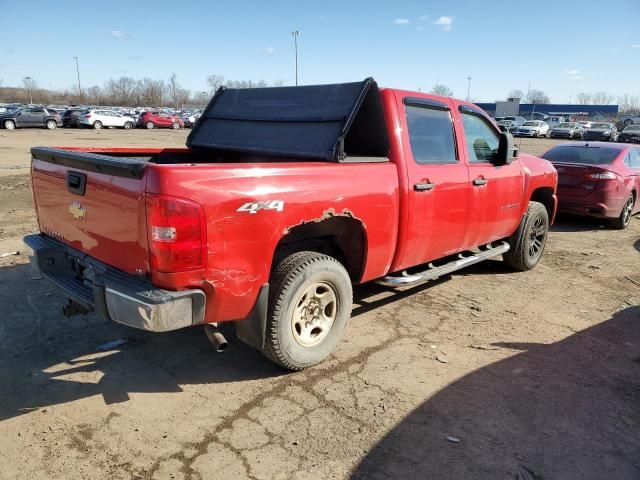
[[241, 244]]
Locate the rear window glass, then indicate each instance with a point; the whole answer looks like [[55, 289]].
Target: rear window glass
[[431, 135], [582, 155]]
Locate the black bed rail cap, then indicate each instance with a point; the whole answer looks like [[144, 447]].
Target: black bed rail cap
[[314, 122]]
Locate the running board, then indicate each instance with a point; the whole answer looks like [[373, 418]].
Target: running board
[[433, 272]]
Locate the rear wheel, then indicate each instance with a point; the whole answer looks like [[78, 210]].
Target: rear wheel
[[175, 125], [97, 124], [624, 219], [527, 252], [309, 307], [9, 124], [51, 124], [128, 125], [149, 125]]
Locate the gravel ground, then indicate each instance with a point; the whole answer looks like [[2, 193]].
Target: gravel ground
[[484, 374]]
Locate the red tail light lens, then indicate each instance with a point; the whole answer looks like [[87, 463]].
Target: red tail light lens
[[606, 175], [177, 234]]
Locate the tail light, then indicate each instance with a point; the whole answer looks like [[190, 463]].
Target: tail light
[[88, 115], [177, 233], [602, 176]]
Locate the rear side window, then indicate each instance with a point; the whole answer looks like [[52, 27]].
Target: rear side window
[[582, 155], [634, 158], [431, 135]]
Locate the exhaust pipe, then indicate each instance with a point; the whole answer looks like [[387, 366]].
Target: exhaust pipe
[[215, 337]]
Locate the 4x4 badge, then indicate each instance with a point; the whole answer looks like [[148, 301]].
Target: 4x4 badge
[[253, 207], [77, 210]]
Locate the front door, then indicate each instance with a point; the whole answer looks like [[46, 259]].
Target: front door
[[497, 192], [438, 182]]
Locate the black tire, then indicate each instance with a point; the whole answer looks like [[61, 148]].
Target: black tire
[[624, 219], [535, 225], [290, 281]]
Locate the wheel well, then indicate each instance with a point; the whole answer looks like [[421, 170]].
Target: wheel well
[[544, 195], [341, 237]]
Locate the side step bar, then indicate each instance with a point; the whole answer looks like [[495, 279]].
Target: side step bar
[[405, 279]]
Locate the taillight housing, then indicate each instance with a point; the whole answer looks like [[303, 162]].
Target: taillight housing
[[177, 234], [605, 175]]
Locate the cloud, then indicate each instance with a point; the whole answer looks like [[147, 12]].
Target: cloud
[[118, 34], [269, 51], [401, 21], [575, 77], [445, 22], [572, 72], [635, 45]]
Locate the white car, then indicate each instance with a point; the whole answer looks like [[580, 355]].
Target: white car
[[533, 128], [105, 118]]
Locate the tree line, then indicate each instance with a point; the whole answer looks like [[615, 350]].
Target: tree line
[[126, 91]]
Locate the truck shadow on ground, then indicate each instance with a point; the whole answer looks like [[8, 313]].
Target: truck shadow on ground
[[574, 223], [566, 410], [39, 349]]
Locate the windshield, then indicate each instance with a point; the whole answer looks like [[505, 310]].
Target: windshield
[[565, 125], [632, 128], [584, 155], [600, 125], [530, 124]]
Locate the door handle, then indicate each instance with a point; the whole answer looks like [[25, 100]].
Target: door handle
[[423, 187], [480, 181]]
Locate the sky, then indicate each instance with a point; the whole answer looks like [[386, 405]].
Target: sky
[[560, 48]]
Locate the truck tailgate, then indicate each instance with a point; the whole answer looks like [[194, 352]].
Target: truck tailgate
[[94, 205]]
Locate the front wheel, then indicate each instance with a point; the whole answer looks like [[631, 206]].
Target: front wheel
[[526, 253], [309, 307], [51, 124], [128, 125], [624, 219], [149, 125]]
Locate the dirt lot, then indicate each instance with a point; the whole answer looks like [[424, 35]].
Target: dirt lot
[[486, 374]]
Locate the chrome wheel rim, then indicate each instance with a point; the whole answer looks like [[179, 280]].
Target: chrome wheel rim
[[9, 125], [149, 125], [314, 314], [626, 211], [537, 236], [51, 124]]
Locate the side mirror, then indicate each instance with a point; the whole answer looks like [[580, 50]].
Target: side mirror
[[507, 151]]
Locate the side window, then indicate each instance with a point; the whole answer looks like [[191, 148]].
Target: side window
[[634, 158], [431, 135], [482, 140]]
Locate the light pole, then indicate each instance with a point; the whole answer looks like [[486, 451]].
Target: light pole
[[29, 84], [204, 98], [296, 34], [468, 87], [78, 72]]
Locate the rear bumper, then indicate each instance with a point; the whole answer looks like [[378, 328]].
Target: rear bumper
[[113, 294], [586, 208]]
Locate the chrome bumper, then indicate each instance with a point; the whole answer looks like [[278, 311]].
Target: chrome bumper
[[113, 294]]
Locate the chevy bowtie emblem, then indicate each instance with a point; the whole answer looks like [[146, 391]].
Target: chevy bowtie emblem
[[77, 211]]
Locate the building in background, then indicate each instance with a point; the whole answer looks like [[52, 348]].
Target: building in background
[[539, 111]]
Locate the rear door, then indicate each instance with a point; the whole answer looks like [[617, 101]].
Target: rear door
[[497, 192], [438, 179]]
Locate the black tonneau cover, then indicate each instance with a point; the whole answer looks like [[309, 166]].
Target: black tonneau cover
[[316, 122]]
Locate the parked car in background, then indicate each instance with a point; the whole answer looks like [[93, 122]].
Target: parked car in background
[[630, 134], [190, 120], [570, 130], [30, 117], [598, 180], [602, 132], [516, 122], [105, 118], [532, 128], [156, 119], [71, 115], [630, 120], [554, 120], [586, 124]]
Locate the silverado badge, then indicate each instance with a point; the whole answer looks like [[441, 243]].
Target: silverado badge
[[77, 211]]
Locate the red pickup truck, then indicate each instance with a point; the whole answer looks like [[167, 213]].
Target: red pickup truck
[[284, 198]]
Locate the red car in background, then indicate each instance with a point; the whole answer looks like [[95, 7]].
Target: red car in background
[[598, 179], [159, 120]]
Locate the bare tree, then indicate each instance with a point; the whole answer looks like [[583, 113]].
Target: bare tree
[[515, 93], [442, 90], [537, 96], [629, 103], [215, 82], [278, 82], [201, 98], [94, 94], [121, 90], [602, 98], [584, 98], [29, 85]]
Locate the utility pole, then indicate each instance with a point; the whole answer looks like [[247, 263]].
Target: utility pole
[[468, 87], [78, 72], [296, 34], [29, 85]]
